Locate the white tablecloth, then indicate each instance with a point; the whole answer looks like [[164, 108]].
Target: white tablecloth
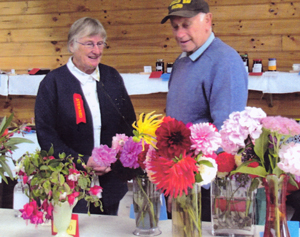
[[138, 84], [135, 84], [89, 226], [275, 82]]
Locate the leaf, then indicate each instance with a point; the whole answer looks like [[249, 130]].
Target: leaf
[[259, 170], [261, 144], [6, 168], [205, 162], [198, 178], [44, 167]]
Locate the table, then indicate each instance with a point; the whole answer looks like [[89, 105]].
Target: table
[[89, 226]]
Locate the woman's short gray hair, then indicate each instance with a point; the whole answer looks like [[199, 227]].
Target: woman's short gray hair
[[85, 27]]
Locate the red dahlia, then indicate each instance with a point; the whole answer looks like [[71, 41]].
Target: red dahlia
[[173, 138]]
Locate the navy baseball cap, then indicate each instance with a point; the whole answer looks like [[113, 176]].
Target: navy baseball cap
[[186, 8]]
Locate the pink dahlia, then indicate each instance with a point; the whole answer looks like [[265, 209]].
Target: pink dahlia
[[118, 142], [205, 138], [129, 155], [104, 156]]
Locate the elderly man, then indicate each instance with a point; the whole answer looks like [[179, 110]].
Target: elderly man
[[208, 79]]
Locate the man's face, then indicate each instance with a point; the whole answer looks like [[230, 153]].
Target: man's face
[[191, 33]]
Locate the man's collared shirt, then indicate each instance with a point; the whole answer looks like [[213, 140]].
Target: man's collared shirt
[[194, 56]]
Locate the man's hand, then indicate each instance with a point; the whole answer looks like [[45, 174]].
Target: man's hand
[[99, 170]]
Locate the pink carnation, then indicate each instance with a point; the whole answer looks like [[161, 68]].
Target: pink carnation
[[289, 158], [104, 156], [281, 125], [204, 138], [118, 142]]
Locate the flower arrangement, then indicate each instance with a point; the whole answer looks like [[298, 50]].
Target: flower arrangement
[[261, 142], [183, 161], [128, 158], [52, 181], [7, 145]]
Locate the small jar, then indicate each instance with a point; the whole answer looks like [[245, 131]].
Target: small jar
[[272, 64], [169, 67], [160, 65], [245, 61], [257, 65]]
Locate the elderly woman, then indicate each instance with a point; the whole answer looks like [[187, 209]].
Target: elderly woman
[[84, 104]]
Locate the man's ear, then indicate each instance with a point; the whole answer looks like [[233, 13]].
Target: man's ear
[[208, 18]]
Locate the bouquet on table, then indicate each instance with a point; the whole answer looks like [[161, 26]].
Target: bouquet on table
[[128, 158], [174, 156], [7, 145], [53, 181], [184, 159], [261, 143]]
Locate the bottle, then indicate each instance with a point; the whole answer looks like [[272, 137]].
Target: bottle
[[169, 67], [19, 197], [160, 65], [272, 64], [246, 61], [257, 65]]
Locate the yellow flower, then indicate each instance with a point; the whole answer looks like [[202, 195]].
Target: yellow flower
[[145, 128], [238, 159]]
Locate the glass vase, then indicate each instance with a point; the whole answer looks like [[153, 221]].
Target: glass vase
[[232, 206], [147, 205], [186, 213], [276, 222], [62, 214]]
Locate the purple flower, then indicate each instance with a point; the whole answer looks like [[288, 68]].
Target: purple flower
[[129, 155], [104, 155]]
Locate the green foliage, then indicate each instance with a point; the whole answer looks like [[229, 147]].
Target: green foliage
[[8, 145], [48, 177]]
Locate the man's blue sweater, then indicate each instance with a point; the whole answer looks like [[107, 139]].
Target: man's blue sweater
[[209, 88]]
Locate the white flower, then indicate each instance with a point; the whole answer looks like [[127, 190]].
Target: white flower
[[289, 158], [63, 196], [74, 177], [208, 174]]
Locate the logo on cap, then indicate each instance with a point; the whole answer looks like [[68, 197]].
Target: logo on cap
[[179, 3]]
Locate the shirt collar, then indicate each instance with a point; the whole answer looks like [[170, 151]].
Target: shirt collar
[[82, 76], [194, 56]]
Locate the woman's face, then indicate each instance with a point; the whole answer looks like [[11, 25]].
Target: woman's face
[[87, 54]]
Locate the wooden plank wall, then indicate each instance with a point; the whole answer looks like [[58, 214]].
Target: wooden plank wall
[[34, 33]]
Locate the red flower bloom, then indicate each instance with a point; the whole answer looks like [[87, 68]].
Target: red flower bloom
[[225, 162], [253, 165], [173, 138], [71, 197], [173, 177], [95, 190], [142, 156]]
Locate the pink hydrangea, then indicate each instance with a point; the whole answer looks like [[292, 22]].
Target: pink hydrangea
[[236, 129], [281, 125], [205, 138], [129, 155], [118, 142], [104, 156], [289, 158]]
